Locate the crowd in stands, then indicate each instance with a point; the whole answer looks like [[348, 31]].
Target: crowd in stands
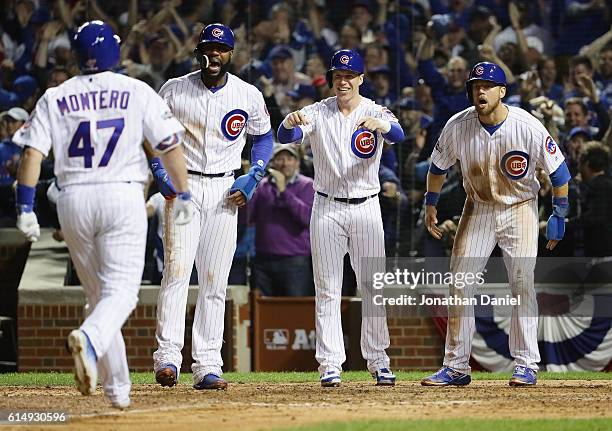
[[557, 56]]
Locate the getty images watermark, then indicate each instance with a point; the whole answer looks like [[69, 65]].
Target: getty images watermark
[[461, 282]]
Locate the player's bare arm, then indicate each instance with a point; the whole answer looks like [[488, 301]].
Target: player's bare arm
[[555, 227], [27, 177], [434, 185]]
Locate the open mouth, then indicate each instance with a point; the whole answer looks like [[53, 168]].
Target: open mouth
[[214, 65], [482, 102], [343, 90]]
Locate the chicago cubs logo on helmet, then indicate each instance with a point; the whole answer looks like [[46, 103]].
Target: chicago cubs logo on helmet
[[217, 32], [344, 59], [233, 123], [364, 143], [551, 147], [479, 70], [515, 164]]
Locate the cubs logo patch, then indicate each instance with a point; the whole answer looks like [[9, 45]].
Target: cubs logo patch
[[344, 59], [479, 70], [217, 32], [233, 123], [551, 147], [515, 164], [364, 143]]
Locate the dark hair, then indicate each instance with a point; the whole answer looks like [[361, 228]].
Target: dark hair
[[582, 59], [61, 69], [596, 156]]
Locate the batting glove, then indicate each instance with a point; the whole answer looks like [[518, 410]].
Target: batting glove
[[28, 224], [555, 227], [248, 183], [166, 188], [183, 209]]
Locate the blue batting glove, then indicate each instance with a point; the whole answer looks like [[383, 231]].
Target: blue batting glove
[[164, 183], [555, 227], [248, 183]]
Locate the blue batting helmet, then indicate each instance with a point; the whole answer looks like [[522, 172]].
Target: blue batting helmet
[[217, 33], [345, 59], [96, 47], [485, 71]]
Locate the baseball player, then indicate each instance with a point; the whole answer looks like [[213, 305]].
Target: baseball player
[[499, 148], [346, 133], [217, 109], [95, 123]]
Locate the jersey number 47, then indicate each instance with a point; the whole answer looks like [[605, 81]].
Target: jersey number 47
[[80, 145]]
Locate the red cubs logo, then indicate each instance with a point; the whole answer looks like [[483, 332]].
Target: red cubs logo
[[217, 32], [344, 59], [364, 143], [233, 122], [551, 147], [479, 70], [515, 164]]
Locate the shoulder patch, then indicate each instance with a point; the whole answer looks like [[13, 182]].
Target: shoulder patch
[[551, 146]]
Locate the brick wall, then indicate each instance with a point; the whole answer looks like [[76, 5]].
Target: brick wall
[[415, 343], [43, 329]]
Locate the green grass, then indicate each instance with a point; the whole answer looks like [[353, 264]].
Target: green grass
[[464, 425], [59, 379]]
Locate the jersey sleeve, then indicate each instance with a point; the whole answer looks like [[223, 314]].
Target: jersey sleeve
[[384, 113], [160, 127], [259, 117], [549, 153], [311, 113], [444, 154], [36, 131]]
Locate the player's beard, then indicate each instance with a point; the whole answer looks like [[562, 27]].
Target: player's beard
[[488, 109], [223, 69]]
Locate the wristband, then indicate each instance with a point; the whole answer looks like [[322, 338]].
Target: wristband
[[25, 198], [431, 198], [560, 206]]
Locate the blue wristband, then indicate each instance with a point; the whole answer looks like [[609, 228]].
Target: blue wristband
[[155, 164], [257, 172], [185, 196], [431, 198], [560, 206], [25, 198]]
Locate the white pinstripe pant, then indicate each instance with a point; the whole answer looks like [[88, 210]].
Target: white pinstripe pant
[[515, 229], [335, 229], [105, 228], [210, 240]]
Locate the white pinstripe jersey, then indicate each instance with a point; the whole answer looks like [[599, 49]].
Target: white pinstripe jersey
[[95, 125], [501, 167], [346, 160], [216, 123]]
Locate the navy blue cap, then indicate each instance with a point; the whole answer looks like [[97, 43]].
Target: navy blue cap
[[409, 104], [280, 51], [383, 68], [579, 130]]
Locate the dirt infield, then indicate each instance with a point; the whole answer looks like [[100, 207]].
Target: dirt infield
[[253, 406]]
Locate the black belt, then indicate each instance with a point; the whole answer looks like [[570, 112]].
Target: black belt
[[202, 174], [352, 201]]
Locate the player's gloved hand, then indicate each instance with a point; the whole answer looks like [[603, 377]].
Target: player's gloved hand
[[555, 227], [164, 183], [183, 209], [27, 222], [374, 124], [247, 183]]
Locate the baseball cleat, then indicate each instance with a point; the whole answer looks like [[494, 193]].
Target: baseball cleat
[[331, 379], [211, 381], [85, 362], [446, 376], [523, 376], [384, 377], [121, 404], [167, 375]]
